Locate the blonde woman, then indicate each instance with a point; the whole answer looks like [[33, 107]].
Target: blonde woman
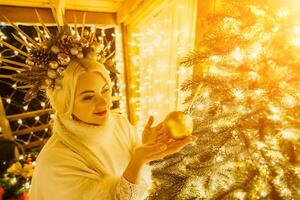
[[94, 153]]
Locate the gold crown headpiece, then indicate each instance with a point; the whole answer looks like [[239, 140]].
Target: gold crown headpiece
[[46, 61]]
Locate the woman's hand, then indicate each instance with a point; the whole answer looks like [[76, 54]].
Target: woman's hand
[[156, 134], [156, 145], [150, 152]]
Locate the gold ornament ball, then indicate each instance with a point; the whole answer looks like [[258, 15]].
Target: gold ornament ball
[[51, 74], [53, 64], [80, 55], [55, 49], [74, 51], [60, 70], [48, 82], [178, 125], [63, 58]]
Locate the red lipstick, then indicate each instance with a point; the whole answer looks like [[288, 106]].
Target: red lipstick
[[101, 113]]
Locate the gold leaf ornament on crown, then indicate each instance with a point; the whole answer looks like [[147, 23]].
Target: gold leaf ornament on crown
[[46, 61]]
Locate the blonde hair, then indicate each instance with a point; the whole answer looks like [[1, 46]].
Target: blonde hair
[[62, 99]]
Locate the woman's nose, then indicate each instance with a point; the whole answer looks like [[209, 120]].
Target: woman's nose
[[100, 100]]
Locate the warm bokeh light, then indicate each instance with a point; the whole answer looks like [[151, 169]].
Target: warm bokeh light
[[155, 47]]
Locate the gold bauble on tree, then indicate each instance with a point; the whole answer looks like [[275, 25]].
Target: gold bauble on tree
[[178, 124]]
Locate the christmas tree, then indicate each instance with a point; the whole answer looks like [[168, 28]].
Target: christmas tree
[[245, 107]]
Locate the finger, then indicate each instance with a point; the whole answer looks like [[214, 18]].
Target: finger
[[188, 138], [155, 148], [164, 137], [182, 142], [167, 141], [160, 155], [150, 122], [169, 151], [159, 126], [175, 147], [161, 131]]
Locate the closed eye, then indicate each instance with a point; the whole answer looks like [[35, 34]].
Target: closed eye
[[87, 97]]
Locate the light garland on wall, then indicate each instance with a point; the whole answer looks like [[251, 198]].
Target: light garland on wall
[[151, 71], [120, 69]]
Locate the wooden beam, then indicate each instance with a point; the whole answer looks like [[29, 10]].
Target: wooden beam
[[126, 8], [30, 114], [4, 123], [130, 107], [35, 143], [25, 3], [143, 10], [26, 15], [82, 5], [99, 18], [110, 6], [31, 130]]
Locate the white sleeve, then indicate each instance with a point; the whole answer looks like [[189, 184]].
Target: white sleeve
[[126, 190]]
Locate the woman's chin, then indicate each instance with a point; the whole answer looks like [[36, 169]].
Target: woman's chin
[[100, 120]]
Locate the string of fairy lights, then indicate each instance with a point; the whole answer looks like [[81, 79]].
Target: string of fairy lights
[[120, 68], [156, 76]]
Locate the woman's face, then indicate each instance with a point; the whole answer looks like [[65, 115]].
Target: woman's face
[[92, 99]]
